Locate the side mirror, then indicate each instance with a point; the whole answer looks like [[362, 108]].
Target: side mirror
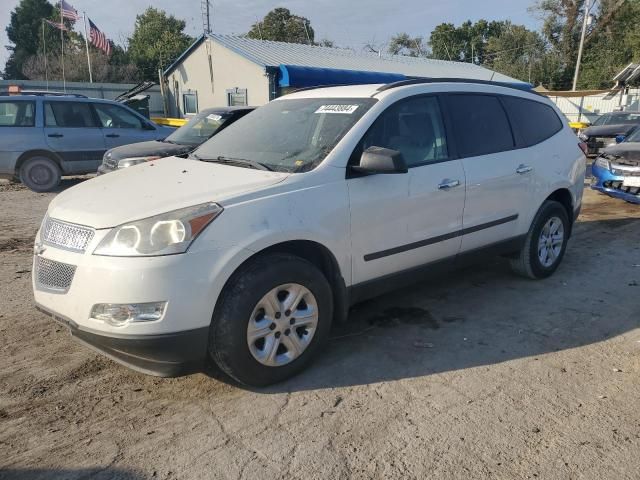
[[620, 138], [380, 160]]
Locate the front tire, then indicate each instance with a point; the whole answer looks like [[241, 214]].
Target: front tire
[[545, 243], [272, 318], [40, 174]]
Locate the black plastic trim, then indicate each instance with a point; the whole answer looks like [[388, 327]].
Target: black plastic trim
[[419, 80], [165, 355], [373, 288], [440, 238]]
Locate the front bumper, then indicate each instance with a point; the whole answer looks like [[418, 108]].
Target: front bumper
[[606, 182], [165, 355]]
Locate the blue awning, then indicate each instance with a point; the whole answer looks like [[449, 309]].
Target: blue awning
[[300, 77]]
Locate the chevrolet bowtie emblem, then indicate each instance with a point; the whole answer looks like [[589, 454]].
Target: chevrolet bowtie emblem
[[38, 249]]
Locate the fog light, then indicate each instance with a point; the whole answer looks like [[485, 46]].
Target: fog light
[[119, 314]]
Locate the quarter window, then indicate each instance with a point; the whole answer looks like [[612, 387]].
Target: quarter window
[[480, 123], [17, 114], [112, 116], [68, 115], [533, 122], [414, 128]]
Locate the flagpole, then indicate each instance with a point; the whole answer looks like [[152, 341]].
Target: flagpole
[[64, 81], [86, 44], [44, 49]]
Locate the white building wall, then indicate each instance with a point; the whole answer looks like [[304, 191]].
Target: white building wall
[[230, 71], [591, 107]]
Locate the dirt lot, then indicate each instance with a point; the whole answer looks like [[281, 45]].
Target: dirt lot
[[478, 375]]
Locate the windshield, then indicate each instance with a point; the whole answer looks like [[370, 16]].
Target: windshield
[[287, 135], [622, 118], [198, 129]]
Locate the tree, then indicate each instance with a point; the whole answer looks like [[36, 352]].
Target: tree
[[403, 44], [280, 25], [24, 32], [156, 42], [520, 53], [466, 43], [562, 26]]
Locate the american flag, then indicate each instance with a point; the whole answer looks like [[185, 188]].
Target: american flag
[[59, 26], [67, 11], [99, 39]]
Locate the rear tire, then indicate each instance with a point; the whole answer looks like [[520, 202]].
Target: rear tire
[[40, 174], [255, 336], [545, 243]]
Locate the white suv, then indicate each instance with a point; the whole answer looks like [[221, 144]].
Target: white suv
[[304, 207]]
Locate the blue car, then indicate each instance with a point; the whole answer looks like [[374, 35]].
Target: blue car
[[45, 136], [616, 172]]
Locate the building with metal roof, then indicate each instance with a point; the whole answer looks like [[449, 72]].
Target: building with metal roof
[[224, 70]]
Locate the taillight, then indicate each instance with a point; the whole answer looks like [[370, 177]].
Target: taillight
[[583, 147]]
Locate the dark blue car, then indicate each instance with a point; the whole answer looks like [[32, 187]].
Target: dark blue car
[[616, 171]]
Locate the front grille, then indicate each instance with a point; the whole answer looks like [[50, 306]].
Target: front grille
[[54, 276], [66, 235], [617, 185]]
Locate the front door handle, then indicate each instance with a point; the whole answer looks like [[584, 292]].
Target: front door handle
[[522, 168], [447, 184], [55, 135], [112, 135]]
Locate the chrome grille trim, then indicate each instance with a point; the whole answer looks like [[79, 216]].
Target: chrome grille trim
[[65, 235], [53, 276]]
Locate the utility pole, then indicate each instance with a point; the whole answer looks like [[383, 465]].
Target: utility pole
[[585, 21]]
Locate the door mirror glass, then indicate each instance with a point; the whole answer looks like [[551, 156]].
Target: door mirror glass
[[381, 160]]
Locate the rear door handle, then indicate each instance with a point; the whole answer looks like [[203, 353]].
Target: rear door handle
[[55, 135], [447, 184], [112, 135], [523, 169]]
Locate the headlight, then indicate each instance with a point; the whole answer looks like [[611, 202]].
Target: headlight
[[130, 162], [603, 163], [165, 234]]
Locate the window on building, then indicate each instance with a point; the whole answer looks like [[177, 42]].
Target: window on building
[[190, 103], [237, 97], [17, 114]]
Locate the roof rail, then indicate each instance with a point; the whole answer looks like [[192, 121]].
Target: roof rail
[[527, 87], [42, 93]]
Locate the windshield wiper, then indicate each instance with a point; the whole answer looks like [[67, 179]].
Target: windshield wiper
[[236, 161]]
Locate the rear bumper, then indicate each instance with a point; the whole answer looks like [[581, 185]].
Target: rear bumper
[[164, 355]]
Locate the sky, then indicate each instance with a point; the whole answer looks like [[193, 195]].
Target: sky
[[349, 23]]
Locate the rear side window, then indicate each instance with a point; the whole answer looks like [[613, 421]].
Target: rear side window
[[533, 122], [68, 115], [480, 124], [17, 114]]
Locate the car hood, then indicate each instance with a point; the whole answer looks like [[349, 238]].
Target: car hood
[[609, 130], [153, 188], [149, 149], [625, 152]]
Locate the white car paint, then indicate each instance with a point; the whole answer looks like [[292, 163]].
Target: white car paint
[[350, 217]]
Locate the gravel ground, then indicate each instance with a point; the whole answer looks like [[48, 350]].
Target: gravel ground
[[478, 375]]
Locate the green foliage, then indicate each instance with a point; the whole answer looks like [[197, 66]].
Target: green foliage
[[403, 44], [280, 25], [466, 43], [156, 42], [24, 32]]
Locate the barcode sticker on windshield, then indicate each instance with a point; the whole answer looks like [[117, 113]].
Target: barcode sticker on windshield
[[348, 109]]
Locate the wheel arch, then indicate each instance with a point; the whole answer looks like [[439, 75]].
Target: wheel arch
[[37, 153], [563, 196], [319, 255]]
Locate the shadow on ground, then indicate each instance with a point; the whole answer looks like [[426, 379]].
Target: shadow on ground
[[482, 315], [70, 474]]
